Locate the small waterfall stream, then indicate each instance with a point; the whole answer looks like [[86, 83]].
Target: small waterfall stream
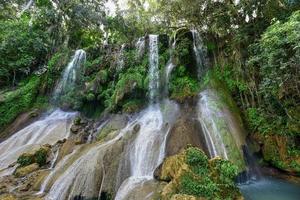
[[70, 74], [200, 53], [153, 69], [222, 132], [49, 130], [148, 149]]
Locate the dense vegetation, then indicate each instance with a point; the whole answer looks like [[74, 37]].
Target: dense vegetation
[[253, 47], [192, 173]]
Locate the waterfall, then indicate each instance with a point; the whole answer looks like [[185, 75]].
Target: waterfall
[[222, 132], [200, 54], [120, 60], [148, 149], [169, 68], [84, 176], [70, 74], [49, 130], [140, 47], [153, 69]]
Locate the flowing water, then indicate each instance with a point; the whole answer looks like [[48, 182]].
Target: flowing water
[[120, 60], [148, 149], [200, 54], [153, 68], [70, 74], [48, 130], [140, 47], [223, 134], [169, 68]]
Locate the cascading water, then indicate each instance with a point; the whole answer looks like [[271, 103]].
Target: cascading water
[[70, 74], [223, 134], [148, 149], [153, 69], [169, 68], [120, 61], [49, 130], [200, 54], [140, 47]]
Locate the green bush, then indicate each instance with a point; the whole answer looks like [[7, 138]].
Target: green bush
[[41, 157], [25, 159], [19, 100], [199, 187]]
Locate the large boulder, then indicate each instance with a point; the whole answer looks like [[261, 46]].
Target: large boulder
[[191, 175], [185, 131]]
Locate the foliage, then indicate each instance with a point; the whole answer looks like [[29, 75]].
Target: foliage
[[212, 179], [22, 49], [25, 160], [276, 56], [39, 157], [19, 100]]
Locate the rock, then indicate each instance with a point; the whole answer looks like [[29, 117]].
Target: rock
[[186, 172], [61, 141], [23, 171], [75, 128], [136, 128], [116, 123], [274, 149], [66, 149], [7, 197], [185, 197], [19, 123], [79, 140], [185, 131]]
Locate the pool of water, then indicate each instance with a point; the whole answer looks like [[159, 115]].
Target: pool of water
[[270, 189]]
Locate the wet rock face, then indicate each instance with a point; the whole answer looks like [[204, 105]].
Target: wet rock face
[[185, 131], [20, 122], [274, 149], [116, 123]]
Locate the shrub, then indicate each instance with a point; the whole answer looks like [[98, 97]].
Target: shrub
[[41, 156], [25, 159]]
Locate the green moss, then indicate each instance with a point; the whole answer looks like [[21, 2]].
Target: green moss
[[211, 179], [133, 105], [39, 157], [25, 159], [183, 86], [196, 186], [17, 101]]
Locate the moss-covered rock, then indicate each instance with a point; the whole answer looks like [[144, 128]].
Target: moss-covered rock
[[190, 175], [39, 157], [7, 197], [280, 152], [23, 171]]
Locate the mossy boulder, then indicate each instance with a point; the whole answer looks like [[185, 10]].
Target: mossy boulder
[[191, 175], [23, 171], [113, 125], [280, 151], [7, 197], [185, 197], [39, 157]]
